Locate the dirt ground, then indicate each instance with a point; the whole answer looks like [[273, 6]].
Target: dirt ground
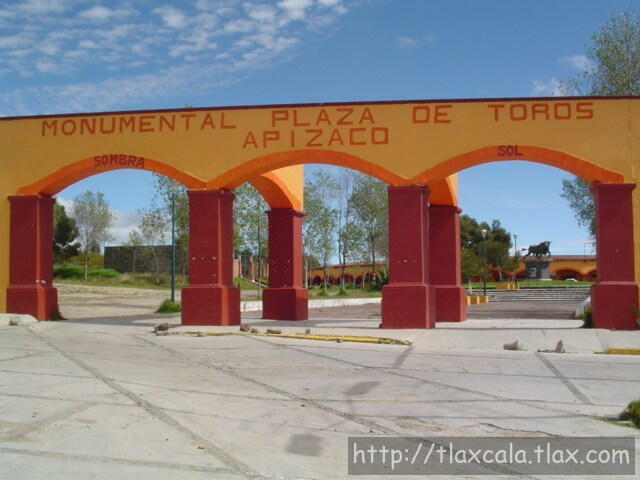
[[81, 301]]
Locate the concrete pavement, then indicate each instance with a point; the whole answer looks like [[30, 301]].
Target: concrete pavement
[[100, 396], [108, 399]]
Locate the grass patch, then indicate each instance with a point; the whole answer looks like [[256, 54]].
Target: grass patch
[[244, 284], [133, 280], [587, 318], [167, 306], [617, 422], [77, 272]]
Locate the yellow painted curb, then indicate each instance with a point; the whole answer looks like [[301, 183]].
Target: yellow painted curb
[[624, 351], [304, 336]]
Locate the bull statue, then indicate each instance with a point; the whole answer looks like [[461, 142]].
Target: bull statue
[[539, 250]]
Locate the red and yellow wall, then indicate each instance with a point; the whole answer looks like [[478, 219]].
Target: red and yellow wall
[[401, 143]]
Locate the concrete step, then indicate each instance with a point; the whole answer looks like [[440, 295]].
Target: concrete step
[[541, 294]]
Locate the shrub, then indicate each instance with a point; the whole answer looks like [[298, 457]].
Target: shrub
[[68, 271], [167, 306], [103, 272], [633, 412], [587, 318], [379, 280], [93, 260]]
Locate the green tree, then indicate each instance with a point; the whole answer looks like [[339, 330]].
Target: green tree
[[471, 265], [93, 219], [497, 244], [578, 193], [153, 228], [321, 220], [369, 200], [613, 60], [135, 241], [349, 234], [171, 196], [65, 234], [251, 224], [613, 69]]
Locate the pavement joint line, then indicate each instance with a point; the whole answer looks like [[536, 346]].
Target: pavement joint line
[[26, 355], [46, 374], [23, 430], [582, 397], [490, 397], [501, 374], [57, 399], [311, 402], [3, 347], [402, 357], [115, 460], [236, 465], [380, 369], [331, 428], [482, 417], [200, 392]]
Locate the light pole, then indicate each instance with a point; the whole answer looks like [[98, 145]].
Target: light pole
[[515, 254], [484, 262], [173, 243]]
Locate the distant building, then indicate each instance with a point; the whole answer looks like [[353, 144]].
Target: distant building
[[579, 267]]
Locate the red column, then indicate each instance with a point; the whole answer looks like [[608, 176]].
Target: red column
[[407, 301], [286, 298], [444, 264], [210, 298], [614, 297], [31, 257]]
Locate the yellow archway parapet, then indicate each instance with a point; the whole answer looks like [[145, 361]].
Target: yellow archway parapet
[[274, 191], [266, 163], [62, 178], [582, 168], [444, 191]]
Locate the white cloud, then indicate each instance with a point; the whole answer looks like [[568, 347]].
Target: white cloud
[[579, 62], [89, 44], [172, 17], [296, 9], [195, 47], [42, 7], [45, 66], [96, 14], [261, 13], [66, 203], [15, 41], [550, 88], [124, 223], [406, 42]]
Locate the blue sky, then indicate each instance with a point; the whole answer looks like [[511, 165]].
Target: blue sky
[[71, 56]]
